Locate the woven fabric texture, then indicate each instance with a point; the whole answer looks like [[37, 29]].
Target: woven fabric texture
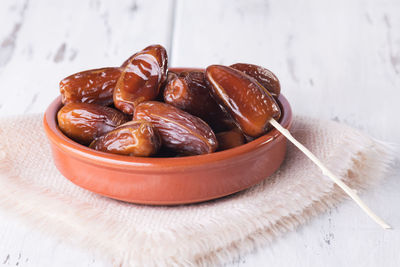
[[210, 233]]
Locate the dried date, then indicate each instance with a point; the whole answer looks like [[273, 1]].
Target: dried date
[[84, 122], [263, 76], [230, 139], [134, 138], [91, 86], [245, 100], [141, 78], [190, 93], [179, 130]]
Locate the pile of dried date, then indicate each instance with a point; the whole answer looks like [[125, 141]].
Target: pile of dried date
[[142, 109]]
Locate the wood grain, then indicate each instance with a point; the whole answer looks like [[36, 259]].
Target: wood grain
[[43, 42], [337, 60]]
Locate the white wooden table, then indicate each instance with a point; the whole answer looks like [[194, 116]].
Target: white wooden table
[[338, 60]]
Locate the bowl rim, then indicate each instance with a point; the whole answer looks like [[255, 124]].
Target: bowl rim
[[94, 157]]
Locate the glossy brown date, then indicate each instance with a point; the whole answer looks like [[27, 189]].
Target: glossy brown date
[[265, 77], [170, 76], [91, 86], [230, 139], [179, 130], [190, 93], [141, 78], [134, 138], [245, 100], [84, 122]]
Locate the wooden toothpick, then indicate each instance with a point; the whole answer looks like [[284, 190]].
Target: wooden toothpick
[[352, 193]]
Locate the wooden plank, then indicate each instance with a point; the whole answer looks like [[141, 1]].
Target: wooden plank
[[337, 60], [20, 245], [43, 41]]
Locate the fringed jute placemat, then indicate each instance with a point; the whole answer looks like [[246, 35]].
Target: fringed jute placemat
[[210, 233]]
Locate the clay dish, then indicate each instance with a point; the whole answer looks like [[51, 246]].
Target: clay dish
[[167, 181]]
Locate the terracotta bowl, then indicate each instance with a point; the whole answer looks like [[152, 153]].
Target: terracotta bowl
[[167, 181]]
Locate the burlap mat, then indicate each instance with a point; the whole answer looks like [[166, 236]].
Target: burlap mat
[[210, 233]]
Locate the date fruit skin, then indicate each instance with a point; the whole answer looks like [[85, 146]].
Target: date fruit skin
[[263, 76], [142, 76], [83, 122], [134, 138], [230, 139], [92, 86], [189, 92], [180, 131], [170, 76], [245, 100]]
